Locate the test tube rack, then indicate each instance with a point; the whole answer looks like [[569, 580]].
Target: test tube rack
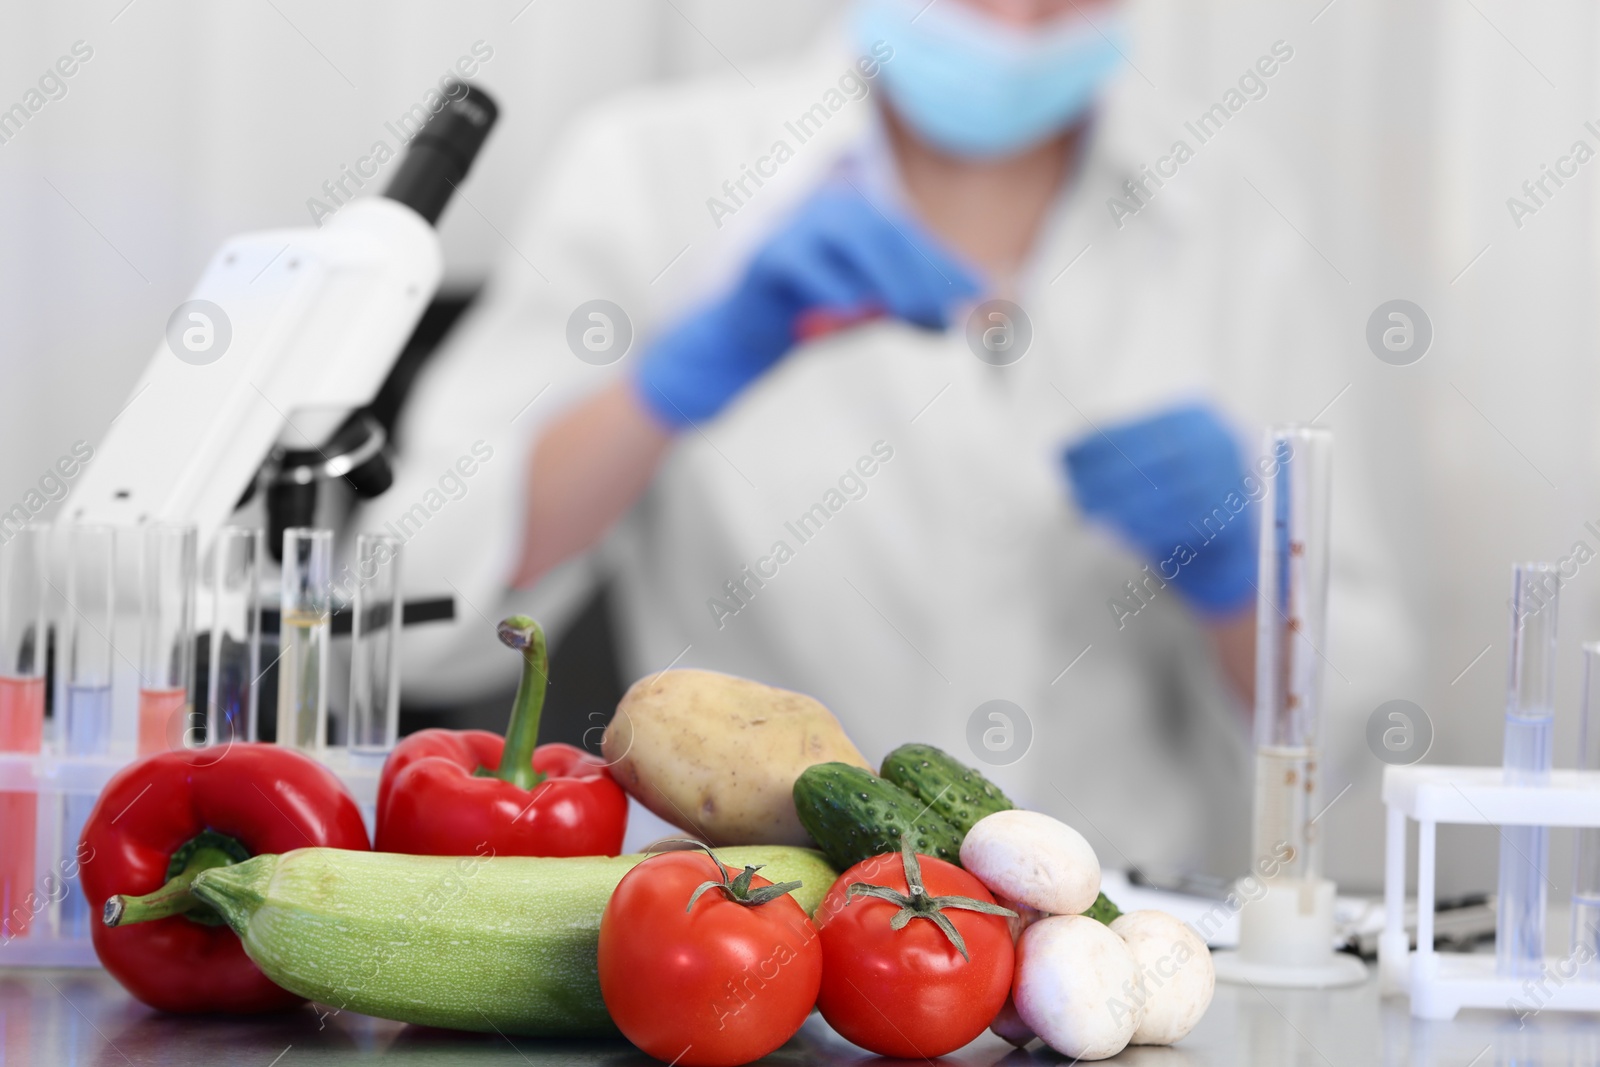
[[1441, 984], [53, 780]]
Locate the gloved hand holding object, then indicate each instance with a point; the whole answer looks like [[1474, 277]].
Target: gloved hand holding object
[[1174, 487], [840, 259]]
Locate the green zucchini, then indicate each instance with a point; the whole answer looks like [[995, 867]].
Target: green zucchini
[[469, 942], [949, 787], [852, 815]]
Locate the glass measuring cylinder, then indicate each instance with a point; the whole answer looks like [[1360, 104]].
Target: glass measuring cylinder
[[1530, 714], [22, 681], [167, 576], [375, 648], [306, 612], [1291, 624], [232, 684]]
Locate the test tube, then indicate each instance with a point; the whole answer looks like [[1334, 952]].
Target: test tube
[[89, 621], [375, 648], [22, 675], [306, 611], [1530, 713], [1291, 621], [1586, 856], [166, 636], [231, 685]]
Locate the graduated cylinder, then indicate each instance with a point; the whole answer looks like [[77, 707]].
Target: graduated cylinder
[[1291, 626]]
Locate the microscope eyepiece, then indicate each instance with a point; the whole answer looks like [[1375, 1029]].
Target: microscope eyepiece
[[438, 157]]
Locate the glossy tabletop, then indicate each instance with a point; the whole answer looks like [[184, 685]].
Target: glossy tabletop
[[72, 1018]]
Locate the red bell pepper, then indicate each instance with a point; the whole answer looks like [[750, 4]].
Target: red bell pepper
[[457, 792], [167, 817]]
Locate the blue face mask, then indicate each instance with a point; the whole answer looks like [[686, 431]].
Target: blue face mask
[[977, 88]]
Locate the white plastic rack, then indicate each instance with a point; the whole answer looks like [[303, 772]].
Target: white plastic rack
[[53, 921], [1441, 984]]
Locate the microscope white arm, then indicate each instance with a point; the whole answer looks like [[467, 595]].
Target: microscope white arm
[[311, 322], [287, 334]]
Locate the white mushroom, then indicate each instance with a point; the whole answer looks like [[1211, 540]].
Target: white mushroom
[[1033, 859], [1176, 975], [1024, 918], [1008, 1026], [1072, 986]]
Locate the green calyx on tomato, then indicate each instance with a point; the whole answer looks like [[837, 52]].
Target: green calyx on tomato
[[719, 984], [917, 904], [737, 889]]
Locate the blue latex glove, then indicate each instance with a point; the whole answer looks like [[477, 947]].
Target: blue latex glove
[[1168, 481], [838, 256]]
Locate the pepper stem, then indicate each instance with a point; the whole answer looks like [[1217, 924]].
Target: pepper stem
[[203, 852], [522, 733]]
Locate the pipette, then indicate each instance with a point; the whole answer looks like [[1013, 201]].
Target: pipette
[[1530, 711]]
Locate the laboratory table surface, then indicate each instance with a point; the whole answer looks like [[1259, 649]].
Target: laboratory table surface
[[61, 1018]]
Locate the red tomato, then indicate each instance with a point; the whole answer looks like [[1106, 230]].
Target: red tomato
[[718, 984], [909, 993]]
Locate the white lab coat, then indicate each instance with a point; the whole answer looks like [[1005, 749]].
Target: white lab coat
[[961, 573]]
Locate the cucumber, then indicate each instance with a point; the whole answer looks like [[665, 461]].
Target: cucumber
[[852, 814], [1102, 910], [465, 942], [949, 787]]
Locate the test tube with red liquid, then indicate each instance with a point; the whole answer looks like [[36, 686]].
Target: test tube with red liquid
[[22, 682], [168, 571]]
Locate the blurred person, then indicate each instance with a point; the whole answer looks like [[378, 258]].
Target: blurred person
[[781, 443]]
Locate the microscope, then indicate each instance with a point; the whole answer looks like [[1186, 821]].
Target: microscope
[[262, 382]]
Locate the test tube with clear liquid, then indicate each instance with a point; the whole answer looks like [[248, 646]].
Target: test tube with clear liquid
[[1530, 714], [89, 622], [375, 649], [1586, 855], [232, 684], [305, 624], [1291, 623], [167, 577], [22, 680]]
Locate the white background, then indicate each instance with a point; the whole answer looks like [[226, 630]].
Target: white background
[[1408, 124]]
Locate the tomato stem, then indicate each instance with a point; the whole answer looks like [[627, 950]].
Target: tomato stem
[[917, 904], [738, 889], [522, 733]]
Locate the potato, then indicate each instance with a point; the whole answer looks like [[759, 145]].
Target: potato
[[718, 755]]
